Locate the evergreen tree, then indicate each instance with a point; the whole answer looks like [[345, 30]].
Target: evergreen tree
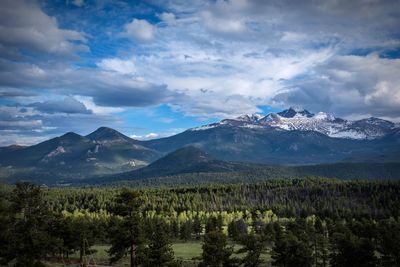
[[239, 229], [159, 251], [389, 243], [252, 246], [320, 244], [186, 230], [213, 224], [289, 251], [197, 226], [174, 229], [31, 223], [216, 252], [126, 234], [352, 251], [5, 231]]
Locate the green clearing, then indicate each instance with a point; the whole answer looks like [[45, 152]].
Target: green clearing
[[187, 252]]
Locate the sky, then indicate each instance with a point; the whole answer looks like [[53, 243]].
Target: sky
[[155, 68]]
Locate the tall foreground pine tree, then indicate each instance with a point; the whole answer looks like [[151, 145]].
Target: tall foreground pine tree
[[216, 252], [290, 251], [126, 233], [27, 234], [159, 250]]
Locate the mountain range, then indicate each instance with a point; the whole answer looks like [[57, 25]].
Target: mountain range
[[290, 137], [302, 120]]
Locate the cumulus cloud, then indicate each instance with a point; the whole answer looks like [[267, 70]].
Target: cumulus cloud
[[139, 30], [23, 25], [67, 105], [350, 85], [25, 125], [106, 87]]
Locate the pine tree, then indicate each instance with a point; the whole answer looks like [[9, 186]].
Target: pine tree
[[159, 251], [289, 251], [197, 227], [186, 230], [389, 243], [320, 244], [31, 223], [216, 252], [352, 251], [5, 230], [126, 235], [213, 224], [252, 246], [174, 229]]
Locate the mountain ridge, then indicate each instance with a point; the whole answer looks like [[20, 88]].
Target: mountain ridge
[[286, 139], [296, 119]]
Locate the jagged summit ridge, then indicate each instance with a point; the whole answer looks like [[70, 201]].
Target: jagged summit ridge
[[302, 120]]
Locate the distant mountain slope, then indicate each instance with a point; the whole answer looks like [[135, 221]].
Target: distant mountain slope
[[103, 151], [190, 165], [184, 160], [268, 145]]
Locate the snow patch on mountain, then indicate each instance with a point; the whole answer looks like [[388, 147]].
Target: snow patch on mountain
[[302, 120], [206, 127]]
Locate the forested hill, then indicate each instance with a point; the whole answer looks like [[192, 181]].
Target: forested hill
[[246, 173]]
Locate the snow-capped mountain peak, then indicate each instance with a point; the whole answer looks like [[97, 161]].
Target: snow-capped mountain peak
[[293, 111], [303, 120]]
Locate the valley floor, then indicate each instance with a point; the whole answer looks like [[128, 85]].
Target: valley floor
[[188, 253]]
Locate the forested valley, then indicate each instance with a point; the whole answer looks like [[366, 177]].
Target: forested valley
[[291, 222]]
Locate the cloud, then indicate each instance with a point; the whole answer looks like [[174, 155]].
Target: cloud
[[118, 65], [27, 125], [23, 25], [294, 37], [111, 88], [14, 94], [145, 137], [139, 30], [218, 107], [67, 105], [156, 135], [350, 85], [102, 110], [13, 118], [223, 25], [78, 3], [168, 18], [166, 120]]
